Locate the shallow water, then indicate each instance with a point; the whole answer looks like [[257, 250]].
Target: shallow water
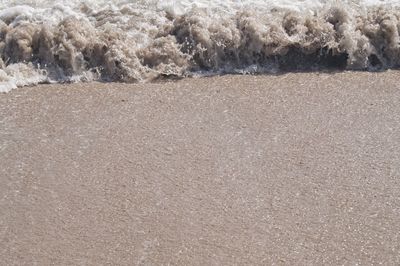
[[64, 41], [292, 169]]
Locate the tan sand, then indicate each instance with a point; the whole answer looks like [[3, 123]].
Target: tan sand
[[291, 169]]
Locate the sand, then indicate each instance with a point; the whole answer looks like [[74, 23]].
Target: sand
[[291, 169]]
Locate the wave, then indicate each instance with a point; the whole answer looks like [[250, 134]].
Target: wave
[[146, 40]]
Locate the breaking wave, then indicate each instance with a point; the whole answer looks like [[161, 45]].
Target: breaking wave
[[146, 40]]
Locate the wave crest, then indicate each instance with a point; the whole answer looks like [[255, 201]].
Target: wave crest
[[131, 43]]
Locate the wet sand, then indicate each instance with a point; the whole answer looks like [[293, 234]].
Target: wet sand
[[292, 169]]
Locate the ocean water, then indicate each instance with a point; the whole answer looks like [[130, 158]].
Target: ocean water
[[115, 40]]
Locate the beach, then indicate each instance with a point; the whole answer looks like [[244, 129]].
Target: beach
[[287, 169]]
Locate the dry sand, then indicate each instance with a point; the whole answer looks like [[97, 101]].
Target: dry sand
[[290, 169]]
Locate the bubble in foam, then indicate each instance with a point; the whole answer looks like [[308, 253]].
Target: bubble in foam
[[19, 75]]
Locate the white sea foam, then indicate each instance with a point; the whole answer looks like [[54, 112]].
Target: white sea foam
[[70, 41]]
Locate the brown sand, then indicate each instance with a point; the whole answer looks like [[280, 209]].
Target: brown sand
[[288, 169]]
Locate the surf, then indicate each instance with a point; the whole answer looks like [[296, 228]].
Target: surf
[[77, 41]]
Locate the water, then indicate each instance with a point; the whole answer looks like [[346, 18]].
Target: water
[[72, 41]]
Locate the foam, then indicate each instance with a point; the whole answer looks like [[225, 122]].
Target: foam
[[73, 41]]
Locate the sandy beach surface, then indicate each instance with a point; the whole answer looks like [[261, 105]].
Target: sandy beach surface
[[292, 169]]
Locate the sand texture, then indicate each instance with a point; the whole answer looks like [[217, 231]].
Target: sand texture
[[293, 169]]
